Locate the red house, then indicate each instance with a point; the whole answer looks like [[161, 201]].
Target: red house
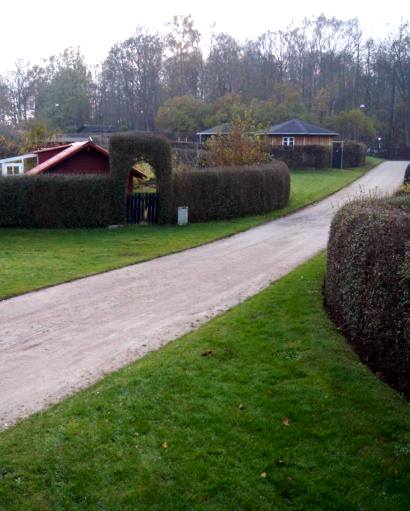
[[77, 158]]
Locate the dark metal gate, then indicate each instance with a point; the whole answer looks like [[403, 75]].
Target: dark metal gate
[[337, 157], [142, 208]]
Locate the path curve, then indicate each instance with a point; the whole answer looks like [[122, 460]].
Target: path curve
[[58, 340]]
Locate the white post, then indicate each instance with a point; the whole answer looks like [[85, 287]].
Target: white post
[[183, 215]]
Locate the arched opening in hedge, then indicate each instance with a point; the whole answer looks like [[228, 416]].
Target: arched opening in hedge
[[127, 148], [147, 184]]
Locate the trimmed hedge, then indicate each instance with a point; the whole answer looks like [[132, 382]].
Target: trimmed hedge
[[222, 193], [303, 157], [354, 154], [367, 288], [54, 201], [396, 152], [319, 156], [185, 156], [125, 149]]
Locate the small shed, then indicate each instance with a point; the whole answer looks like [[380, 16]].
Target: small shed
[[76, 158]]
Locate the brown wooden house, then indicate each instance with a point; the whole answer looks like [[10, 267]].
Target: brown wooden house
[[297, 133], [290, 133]]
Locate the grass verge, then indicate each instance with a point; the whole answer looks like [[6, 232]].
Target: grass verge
[[31, 259], [265, 407]]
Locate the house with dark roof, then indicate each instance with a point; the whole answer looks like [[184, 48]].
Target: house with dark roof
[[296, 133], [76, 158], [221, 129], [96, 128], [290, 133]]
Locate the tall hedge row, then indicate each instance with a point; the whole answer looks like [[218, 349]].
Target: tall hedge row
[[319, 156], [125, 150], [367, 288], [304, 157], [94, 201], [222, 193], [354, 154], [54, 201]]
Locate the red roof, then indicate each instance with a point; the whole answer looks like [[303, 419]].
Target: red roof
[[53, 148], [69, 150]]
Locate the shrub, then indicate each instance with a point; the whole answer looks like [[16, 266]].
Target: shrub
[[397, 152], [403, 190], [367, 288], [56, 201], [185, 156], [236, 148], [125, 149], [303, 157], [354, 154], [221, 193]]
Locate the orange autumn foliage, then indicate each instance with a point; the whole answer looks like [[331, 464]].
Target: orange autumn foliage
[[238, 147]]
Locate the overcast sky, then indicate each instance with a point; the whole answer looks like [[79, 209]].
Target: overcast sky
[[32, 30]]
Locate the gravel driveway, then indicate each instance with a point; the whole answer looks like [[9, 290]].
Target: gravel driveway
[[58, 340]]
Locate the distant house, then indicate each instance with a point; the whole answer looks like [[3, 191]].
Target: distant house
[[76, 158], [290, 133], [296, 133], [96, 128], [222, 129]]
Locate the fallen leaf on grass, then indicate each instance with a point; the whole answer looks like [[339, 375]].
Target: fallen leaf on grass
[[208, 353], [164, 445], [264, 475], [285, 421]]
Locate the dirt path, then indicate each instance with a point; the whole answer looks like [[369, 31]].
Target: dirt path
[[58, 340]]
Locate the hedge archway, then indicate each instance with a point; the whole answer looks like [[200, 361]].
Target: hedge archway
[[125, 148]]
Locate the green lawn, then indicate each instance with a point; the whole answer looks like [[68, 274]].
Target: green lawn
[[31, 259], [263, 408]]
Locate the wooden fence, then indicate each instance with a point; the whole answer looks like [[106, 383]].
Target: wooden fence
[[142, 208]]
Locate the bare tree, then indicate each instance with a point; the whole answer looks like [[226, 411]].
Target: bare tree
[[183, 65], [130, 87]]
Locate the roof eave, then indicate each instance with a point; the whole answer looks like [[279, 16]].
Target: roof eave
[[300, 134], [20, 157]]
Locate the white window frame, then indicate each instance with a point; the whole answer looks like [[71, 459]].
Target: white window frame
[[18, 169], [16, 161], [288, 141]]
